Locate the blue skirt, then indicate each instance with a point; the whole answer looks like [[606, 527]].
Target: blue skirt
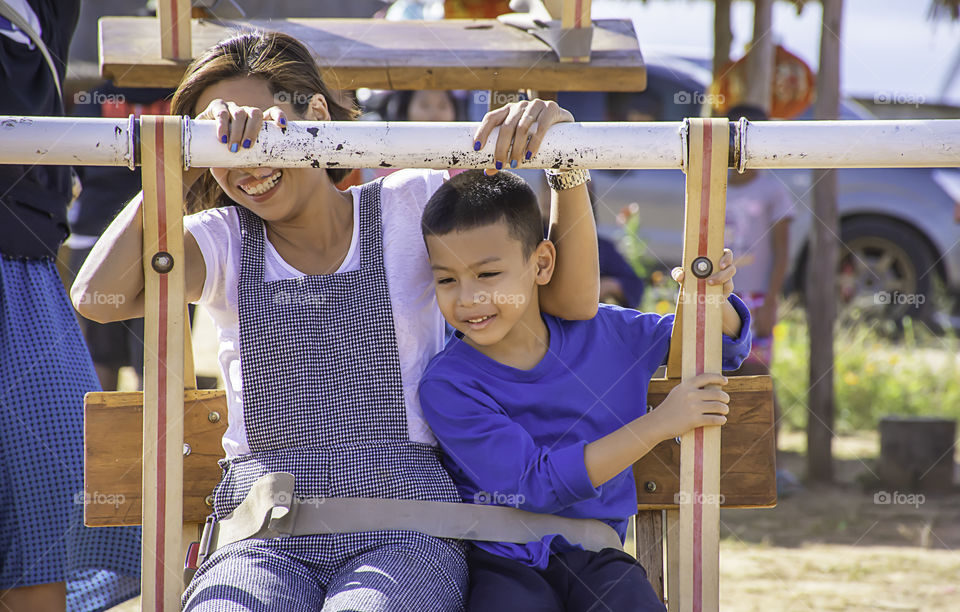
[[45, 370]]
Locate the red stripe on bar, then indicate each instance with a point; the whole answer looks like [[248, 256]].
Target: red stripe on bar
[[578, 15], [174, 25], [161, 374]]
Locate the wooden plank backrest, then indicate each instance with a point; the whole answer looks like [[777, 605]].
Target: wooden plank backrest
[[113, 449]]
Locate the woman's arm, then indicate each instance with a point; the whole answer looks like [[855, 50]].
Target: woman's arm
[[574, 290], [109, 286]]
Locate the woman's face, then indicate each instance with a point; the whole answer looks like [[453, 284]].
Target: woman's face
[[274, 194], [431, 105]]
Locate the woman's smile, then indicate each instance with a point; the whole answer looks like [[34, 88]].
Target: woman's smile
[[261, 189]]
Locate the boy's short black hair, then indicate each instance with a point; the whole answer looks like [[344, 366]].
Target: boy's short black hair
[[472, 199]]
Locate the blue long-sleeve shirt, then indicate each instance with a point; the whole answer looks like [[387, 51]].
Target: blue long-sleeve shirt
[[516, 437]]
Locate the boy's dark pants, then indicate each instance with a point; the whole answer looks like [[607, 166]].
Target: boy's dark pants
[[574, 581]]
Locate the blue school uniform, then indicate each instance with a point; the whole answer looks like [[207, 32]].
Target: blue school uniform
[[322, 399]]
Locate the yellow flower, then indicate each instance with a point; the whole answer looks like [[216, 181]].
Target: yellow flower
[[869, 368], [850, 378], [662, 307], [779, 332], [894, 359]]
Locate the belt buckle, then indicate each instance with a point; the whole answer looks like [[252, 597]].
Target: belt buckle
[[206, 540]]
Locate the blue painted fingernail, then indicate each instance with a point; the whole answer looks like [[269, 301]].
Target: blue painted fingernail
[[234, 147], [513, 163], [528, 155], [476, 146], [283, 121], [246, 143], [498, 165], [223, 139]]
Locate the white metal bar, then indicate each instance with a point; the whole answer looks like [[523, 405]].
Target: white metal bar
[[363, 144]]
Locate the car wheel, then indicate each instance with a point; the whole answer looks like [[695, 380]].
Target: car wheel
[[885, 270]]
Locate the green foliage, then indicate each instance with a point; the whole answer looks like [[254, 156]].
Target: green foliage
[[874, 377]]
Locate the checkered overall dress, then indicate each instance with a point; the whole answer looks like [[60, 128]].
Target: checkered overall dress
[[322, 399]]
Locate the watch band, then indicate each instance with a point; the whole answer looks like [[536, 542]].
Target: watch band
[[560, 180]]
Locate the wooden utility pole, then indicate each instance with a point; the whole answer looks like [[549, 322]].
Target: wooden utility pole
[[760, 57], [822, 266], [722, 36]]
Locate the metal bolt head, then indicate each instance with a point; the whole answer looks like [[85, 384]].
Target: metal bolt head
[[162, 262], [650, 486], [186, 449], [702, 267], [208, 500], [213, 416]]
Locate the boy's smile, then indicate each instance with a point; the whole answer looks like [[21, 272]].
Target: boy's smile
[[487, 290]]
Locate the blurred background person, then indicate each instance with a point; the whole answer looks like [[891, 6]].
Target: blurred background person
[[48, 560]]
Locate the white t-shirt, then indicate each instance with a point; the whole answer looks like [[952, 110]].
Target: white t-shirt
[[416, 317]]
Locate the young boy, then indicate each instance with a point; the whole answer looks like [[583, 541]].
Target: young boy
[[546, 414]]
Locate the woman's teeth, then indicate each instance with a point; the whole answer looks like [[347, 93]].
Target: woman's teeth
[[480, 320], [264, 186]]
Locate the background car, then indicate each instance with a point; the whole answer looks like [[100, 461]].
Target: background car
[[899, 228]]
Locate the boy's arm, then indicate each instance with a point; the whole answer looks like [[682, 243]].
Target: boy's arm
[[498, 455], [574, 291]]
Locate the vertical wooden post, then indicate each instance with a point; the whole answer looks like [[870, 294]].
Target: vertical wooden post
[[671, 532], [648, 528], [175, 35], [701, 304], [722, 36], [164, 360], [822, 268]]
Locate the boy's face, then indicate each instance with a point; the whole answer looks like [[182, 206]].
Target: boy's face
[[485, 286]]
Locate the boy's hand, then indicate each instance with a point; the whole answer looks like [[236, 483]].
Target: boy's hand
[[516, 142], [691, 404], [722, 276]]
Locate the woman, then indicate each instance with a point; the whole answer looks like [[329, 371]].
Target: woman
[[326, 317]]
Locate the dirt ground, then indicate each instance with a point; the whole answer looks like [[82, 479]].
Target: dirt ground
[[835, 548]]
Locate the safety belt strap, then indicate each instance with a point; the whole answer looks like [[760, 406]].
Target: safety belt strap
[[270, 510]]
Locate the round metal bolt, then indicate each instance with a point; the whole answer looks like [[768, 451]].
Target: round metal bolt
[[162, 262], [208, 500], [650, 486], [702, 267], [213, 416], [186, 449]]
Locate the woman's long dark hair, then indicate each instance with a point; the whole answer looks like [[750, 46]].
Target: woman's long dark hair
[[282, 62]]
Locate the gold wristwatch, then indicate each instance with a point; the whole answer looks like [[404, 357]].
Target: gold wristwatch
[[560, 180]]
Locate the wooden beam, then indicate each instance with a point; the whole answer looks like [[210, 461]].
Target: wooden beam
[[163, 362], [648, 526], [449, 54], [701, 304], [173, 19]]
